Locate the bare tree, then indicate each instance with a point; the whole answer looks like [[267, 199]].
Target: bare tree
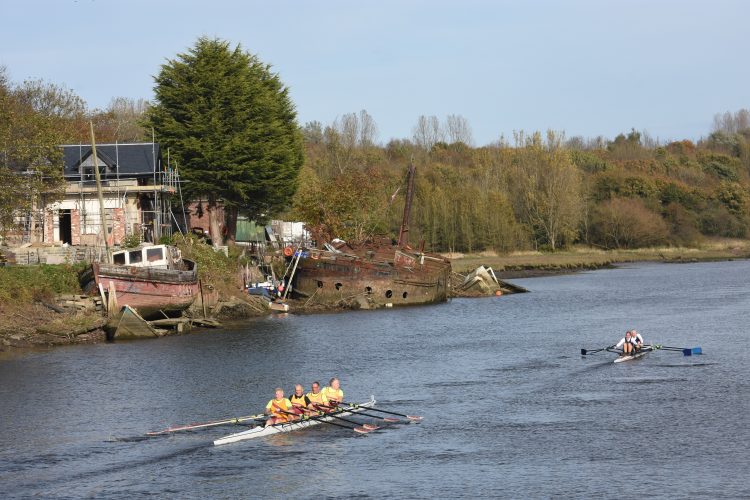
[[732, 123], [459, 130], [428, 132], [349, 133]]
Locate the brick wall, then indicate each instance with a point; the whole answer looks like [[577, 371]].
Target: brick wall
[[49, 226], [75, 227], [197, 212], [118, 225]]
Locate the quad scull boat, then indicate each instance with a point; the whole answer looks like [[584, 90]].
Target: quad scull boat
[[261, 431]]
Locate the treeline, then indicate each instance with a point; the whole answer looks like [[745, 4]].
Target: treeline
[[538, 191], [534, 191]]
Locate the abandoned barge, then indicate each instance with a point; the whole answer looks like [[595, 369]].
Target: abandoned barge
[[374, 274]]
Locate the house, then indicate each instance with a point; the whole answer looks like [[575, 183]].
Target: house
[[136, 189]]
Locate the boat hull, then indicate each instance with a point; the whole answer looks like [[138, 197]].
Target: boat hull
[[373, 281], [257, 432], [150, 291], [638, 355]]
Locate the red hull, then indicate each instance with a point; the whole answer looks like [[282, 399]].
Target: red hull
[[150, 291]]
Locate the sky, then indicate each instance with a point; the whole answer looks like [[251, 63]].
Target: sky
[[586, 67]]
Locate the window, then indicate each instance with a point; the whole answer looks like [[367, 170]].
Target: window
[[119, 258], [135, 257], [154, 254]]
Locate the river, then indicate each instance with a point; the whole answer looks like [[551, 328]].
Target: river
[[510, 407]]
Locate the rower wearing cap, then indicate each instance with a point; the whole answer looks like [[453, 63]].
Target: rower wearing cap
[[300, 401], [278, 408], [333, 392], [626, 344], [316, 396]]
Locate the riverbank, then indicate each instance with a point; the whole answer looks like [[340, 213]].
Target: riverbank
[[531, 264]]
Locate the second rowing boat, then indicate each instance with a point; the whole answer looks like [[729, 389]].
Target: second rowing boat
[[261, 431], [637, 355]]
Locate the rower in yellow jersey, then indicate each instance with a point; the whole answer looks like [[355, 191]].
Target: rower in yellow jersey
[[316, 397], [300, 401], [333, 392], [277, 408]]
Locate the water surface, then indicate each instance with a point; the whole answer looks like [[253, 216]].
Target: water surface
[[511, 408]]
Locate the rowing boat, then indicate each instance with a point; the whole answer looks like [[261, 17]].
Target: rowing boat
[[261, 431], [637, 355]]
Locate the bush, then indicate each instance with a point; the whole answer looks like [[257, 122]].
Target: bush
[[23, 284], [683, 224], [627, 223]]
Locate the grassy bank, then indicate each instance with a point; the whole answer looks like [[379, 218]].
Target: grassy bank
[[25, 284], [518, 264]]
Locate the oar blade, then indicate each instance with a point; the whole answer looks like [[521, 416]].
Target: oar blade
[[360, 430], [390, 420], [692, 351], [414, 418], [370, 427], [583, 352]]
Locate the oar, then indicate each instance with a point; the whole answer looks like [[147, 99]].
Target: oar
[[686, 351], [592, 351], [369, 427], [228, 421], [360, 412], [361, 430], [371, 408]]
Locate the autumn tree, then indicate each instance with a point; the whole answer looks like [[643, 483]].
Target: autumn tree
[[232, 130], [546, 187], [35, 118]]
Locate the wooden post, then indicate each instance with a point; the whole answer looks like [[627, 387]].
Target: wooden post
[[203, 301], [113, 296], [105, 304], [102, 213]]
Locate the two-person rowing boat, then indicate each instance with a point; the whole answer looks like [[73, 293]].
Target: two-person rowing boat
[[632, 346]]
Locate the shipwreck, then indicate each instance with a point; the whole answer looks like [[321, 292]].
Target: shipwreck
[[375, 274]]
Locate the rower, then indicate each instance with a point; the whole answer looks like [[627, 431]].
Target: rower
[[636, 340], [333, 392], [278, 408], [300, 401], [626, 344], [316, 397]]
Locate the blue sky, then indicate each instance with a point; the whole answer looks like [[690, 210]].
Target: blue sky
[[588, 67]]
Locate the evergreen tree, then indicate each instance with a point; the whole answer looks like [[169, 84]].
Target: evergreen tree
[[231, 126]]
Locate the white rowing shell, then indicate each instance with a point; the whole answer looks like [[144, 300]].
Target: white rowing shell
[[620, 359], [261, 431]]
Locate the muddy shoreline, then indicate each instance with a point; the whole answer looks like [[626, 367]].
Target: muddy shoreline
[[35, 327]]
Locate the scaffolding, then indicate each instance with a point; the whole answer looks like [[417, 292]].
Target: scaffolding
[[153, 217], [146, 199]]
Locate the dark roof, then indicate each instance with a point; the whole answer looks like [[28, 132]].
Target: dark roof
[[131, 160]]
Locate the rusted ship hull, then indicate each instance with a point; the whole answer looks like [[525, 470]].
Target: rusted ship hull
[[372, 280], [149, 290]]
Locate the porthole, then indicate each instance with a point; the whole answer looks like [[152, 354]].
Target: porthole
[[338, 286], [320, 284], [405, 294], [368, 290], [388, 294]]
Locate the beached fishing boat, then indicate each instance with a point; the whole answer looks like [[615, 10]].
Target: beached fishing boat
[[260, 431], [151, 279]]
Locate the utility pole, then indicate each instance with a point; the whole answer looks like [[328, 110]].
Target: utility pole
[[102, 213]]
